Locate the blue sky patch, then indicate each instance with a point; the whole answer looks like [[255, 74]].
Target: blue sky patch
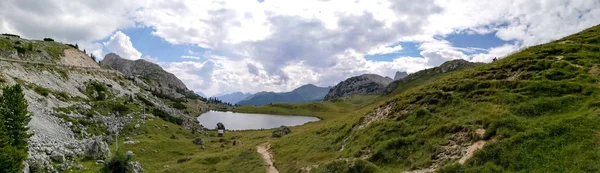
[[409, 49]]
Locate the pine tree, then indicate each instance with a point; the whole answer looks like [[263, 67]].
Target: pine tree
[[14, 118], [13, 108]]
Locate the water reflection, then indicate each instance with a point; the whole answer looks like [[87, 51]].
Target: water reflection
[[243, 121]]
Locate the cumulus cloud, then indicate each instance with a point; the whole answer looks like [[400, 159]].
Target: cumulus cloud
[[280, 45], [67, 21], [120, 44], [189, 57]]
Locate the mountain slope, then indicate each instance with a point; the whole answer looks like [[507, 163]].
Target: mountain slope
[[430, 73], [76, 105], [363, 84], [153, 76], [306, 93], [233, 98], [536, 110]]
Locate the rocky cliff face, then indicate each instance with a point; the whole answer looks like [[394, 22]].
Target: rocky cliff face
[[363, 84], [153, 76], [72, 99], [427, 73]]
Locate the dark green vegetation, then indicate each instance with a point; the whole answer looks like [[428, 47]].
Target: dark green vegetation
[[14, 118], [539, 109], [306, 93], [32, 50], [118, 164]]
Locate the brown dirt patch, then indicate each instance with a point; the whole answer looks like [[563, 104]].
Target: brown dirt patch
[[267, 156], [595, 70]]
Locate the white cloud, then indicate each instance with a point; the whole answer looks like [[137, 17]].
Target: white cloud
[[121, 44], [279, 45], [190, 57], [385, 50]]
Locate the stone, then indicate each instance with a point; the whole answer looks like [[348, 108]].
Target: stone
[[137, 126], [99, 162], [166, 166], [129, 153], [130, 142], [58, 157], [136, 167], [127, 138], [97, 149], [80, 167], [283, 130], [63, 166], [199, 141], [69, 124]]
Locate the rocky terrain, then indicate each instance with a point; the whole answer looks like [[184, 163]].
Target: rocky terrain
[[363, 84], [305, 93], [77, 106], [152, 76]]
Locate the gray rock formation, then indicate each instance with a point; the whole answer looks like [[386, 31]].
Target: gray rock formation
[[136, 167], [151, 76], [97, 149], [363, 84], [400, 75], [281, 131]]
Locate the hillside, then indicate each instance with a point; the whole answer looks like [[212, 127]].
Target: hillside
[[152, 76], [363, 84], [427, 74], [233, 98], [305, 93], [77, 107], [536, 110]]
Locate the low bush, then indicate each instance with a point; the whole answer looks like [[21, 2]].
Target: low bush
[[41, 91]]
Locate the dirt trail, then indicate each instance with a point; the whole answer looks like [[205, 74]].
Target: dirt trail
[[263, 149]]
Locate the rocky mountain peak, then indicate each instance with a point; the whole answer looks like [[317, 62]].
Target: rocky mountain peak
[[154, 76], [400, 75], [363, 84]]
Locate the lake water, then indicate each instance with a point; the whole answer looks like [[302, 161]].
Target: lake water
[[243, 121]]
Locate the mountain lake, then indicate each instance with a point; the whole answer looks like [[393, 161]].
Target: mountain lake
[[244, 121]]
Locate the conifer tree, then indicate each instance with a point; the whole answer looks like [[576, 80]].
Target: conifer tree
[[14, 118]]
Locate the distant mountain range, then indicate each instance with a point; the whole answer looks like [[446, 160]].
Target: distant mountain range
[[306, 93], [233, 98]]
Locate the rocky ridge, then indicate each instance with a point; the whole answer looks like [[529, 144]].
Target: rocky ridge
[[363, 84]]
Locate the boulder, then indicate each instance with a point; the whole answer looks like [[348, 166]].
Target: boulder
[[129, 153], [199, 141], [60, 158], [97, 149], [283, 130], [136, 167]]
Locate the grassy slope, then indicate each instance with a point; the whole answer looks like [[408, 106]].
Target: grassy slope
[[541, 105]]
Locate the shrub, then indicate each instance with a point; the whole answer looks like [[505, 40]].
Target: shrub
[[11, 35], [20, 50], [117, 164], [179, 105], [48, 39], [41, 91]]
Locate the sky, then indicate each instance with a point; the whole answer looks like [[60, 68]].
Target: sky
[[224, 46]]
